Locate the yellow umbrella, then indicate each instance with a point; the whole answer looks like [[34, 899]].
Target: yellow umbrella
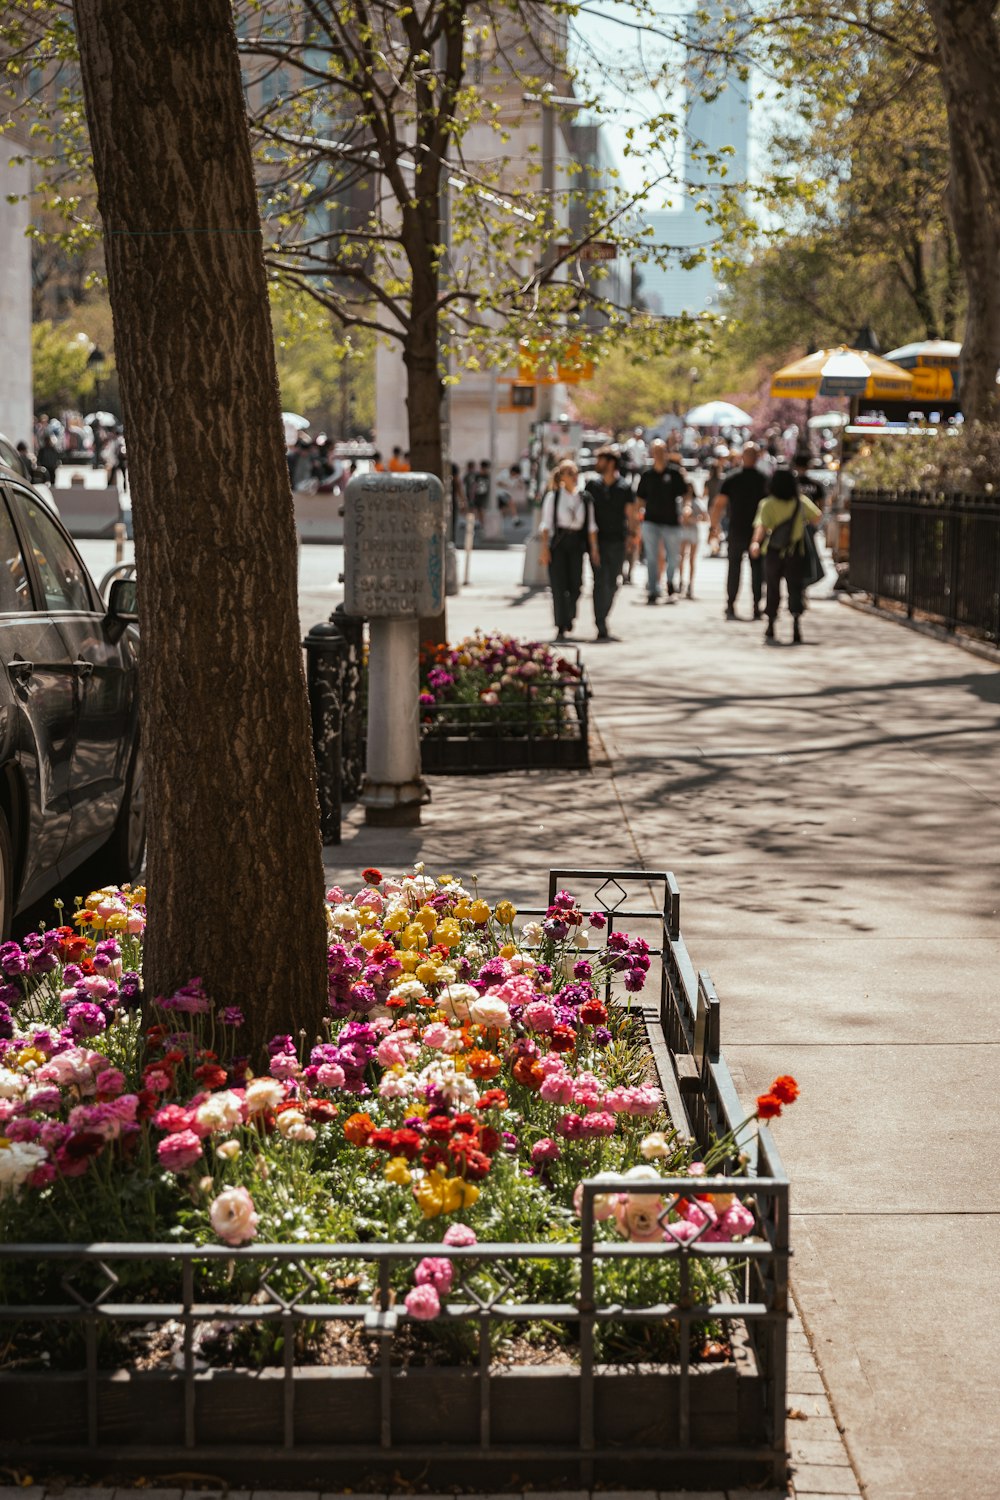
[[842, 372]]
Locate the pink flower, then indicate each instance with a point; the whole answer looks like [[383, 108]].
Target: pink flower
[[173, 1117], [597, 1125], [233, 1218], [552, 1062], [393, 1050], [516, 989], [557, 1088], [436, 1271], [176, 1152], [604, 1203], [459, 1235], [545, 1150], [110, 1081], [437, 1034], [570, 1126], [540, 1015], [737, 1220], [330, 1076], [680, 1231], [284, 1065], [637, 1216], [423, 1303]]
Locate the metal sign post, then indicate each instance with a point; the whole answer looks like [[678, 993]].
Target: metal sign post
[[394, 572]]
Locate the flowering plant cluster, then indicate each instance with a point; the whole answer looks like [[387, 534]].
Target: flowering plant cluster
[[496, 678], [469, 1076]]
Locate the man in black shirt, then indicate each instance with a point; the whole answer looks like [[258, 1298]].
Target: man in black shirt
[[744, 489], [661, 491], [611, 502]]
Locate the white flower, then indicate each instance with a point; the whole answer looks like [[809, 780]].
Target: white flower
[[232, 1216], [288, 1119], [456, 1000], [656, 1145], [300, 1132], [220, 1111], [12, 1085], [457, 1088], [446, 974], [229, 1150], [344, 918], [487, 1010], [532, 934], [18, 1159], [261, 1094], [408, 989]]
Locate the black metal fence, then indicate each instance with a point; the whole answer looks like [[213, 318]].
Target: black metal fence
[[937, 556], [548, 726], [482, 1422]]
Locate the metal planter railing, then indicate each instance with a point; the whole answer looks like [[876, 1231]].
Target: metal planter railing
[[936, 555], [581, 1421]]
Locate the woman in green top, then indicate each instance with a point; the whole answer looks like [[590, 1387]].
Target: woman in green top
[[779, 533]]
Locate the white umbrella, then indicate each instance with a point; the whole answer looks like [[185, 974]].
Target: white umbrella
[[718, 414], [105, 418]]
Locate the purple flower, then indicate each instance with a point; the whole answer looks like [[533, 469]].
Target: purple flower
[[85, 1020], [130, 990], [189, 1000], [280, 1044], [6, 1021], [231, 1015], [555, 928], [635, 980], [582, 969]]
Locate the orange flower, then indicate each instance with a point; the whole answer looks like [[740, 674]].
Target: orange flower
[[528, 1071], [483, 1064], [768, 1106], [785, 1088], [357, 1129]]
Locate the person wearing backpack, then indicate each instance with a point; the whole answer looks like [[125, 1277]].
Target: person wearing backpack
[[779, 536]]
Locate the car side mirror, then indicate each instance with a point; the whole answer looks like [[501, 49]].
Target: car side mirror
[[123, 601]]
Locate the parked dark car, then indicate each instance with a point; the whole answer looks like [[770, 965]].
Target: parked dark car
[[71, 772]]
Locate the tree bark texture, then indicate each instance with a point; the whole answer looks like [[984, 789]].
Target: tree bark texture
[[969, 56], [235, 876]]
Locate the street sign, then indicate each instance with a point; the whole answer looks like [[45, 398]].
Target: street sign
[[590, 250], [394, 542]]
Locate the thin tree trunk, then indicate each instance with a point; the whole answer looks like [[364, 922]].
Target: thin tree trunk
[[969, 51], [234, 868], [421, 359]]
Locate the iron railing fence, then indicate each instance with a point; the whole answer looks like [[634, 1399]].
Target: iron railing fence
[[936, 555], [546, 727], [98, 1416]]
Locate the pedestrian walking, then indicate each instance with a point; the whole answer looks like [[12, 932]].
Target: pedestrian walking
[[49, 458], [692, 512], [566, 533], [661, 491], [636, 453], [611, 502], [481, 483], [744, 488], [779, 533], [399, 463]]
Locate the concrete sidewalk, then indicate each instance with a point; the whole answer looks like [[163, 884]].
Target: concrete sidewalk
[[831, 813]]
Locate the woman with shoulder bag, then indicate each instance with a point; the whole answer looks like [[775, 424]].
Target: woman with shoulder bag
[[779, 533], [566, 533]]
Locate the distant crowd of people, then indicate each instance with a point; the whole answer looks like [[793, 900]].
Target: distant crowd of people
[[642, 501]]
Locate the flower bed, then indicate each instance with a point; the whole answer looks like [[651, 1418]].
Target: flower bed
[[467, 1190], [492, 702]]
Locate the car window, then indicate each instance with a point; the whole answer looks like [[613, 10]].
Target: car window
[[64, 583], [15, 590]]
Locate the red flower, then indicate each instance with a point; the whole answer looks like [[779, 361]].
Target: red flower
[[435, 1156], [372, 876], [768, 1106], [785, 1088], [381, 1140], [469, 1160], [383, 951], [322, 1111], [406, 1142], [438, 1127], [211, 1075], [593, 1013], [489, 1140], [562, 1039], [395, 1003], [493, 1099], [464, 1124]]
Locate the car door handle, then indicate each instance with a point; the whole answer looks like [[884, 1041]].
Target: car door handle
[[20, 669], [83, 668]]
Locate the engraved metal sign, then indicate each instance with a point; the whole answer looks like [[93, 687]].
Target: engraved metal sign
[[394, 546]]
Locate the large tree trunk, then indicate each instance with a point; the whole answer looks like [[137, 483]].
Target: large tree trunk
[[234, 868], [969, 51]]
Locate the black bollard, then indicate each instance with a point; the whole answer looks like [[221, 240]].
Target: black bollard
[[325, 655], [354, 726]]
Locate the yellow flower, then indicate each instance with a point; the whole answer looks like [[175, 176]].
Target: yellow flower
[[370, 940], [426, 918], [117, 921], [4, 1143], [480, 911], [138, 895], [29, 1055], [395, 921], [429, 1193], [446, 880], [463, 909], [505, 912], [408, 960], [396, 1170], [415, 936], [508, 950], [448, 933], [427, 972]]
